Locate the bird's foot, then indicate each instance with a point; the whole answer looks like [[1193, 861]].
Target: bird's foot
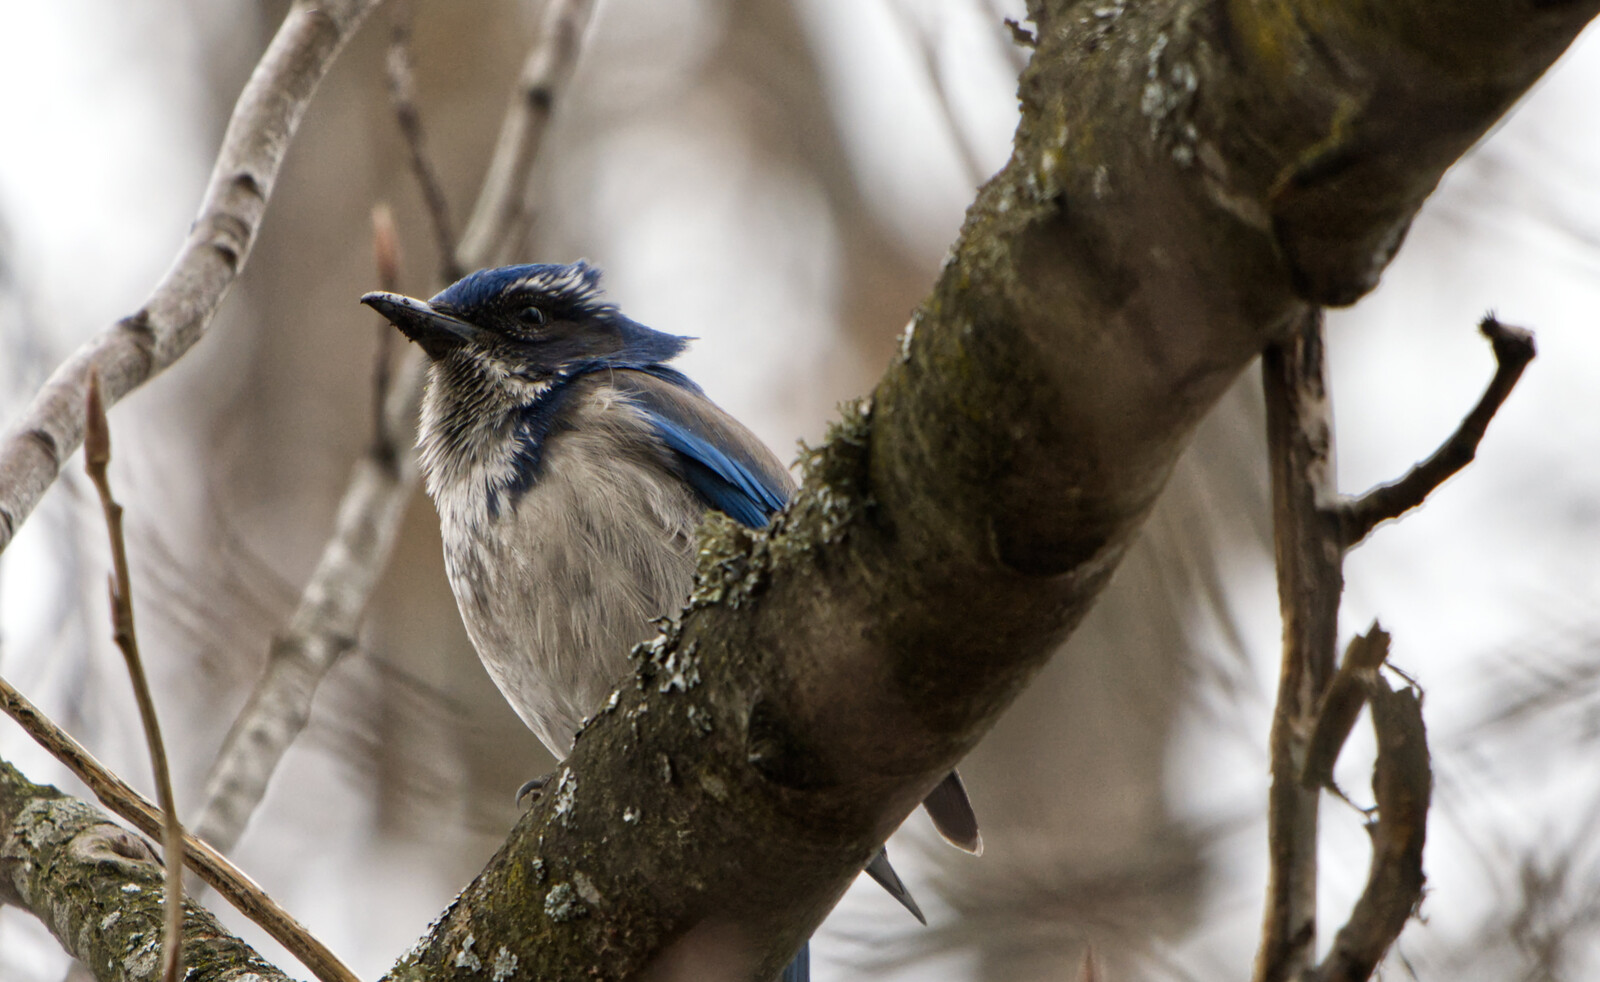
[[531, 790]]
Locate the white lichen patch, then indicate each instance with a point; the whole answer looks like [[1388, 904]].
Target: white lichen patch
[[566, 796], [906, 337], [1167, 98], [131, 888], [504, 965], [680, 671], [466, 958], [587, 890], [562, 904]]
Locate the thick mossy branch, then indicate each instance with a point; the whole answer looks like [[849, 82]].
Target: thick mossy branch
[[1186, 176], [98, 888]]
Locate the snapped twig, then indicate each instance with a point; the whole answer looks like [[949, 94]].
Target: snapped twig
[[96, 458], [1342, 703], [1317, 707], [1357, 517], [211, 866], [1402, 782]]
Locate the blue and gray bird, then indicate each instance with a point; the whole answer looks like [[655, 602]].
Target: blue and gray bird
[[571, 468]]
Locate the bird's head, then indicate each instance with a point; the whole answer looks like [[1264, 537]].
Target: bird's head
[[529, 324]]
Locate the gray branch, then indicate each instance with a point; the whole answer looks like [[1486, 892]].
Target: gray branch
[[145, 343]]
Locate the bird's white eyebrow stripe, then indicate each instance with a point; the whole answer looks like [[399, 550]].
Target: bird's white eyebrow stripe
[[572, 283]]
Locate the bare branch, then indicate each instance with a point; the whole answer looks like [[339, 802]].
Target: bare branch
[[1513, 349], [96, 458], [1403, 784], [1341, 704], [501, 218], [323, 626], [145, 343], [211, 866], [403, 94], [96, 886], [1310, 581]]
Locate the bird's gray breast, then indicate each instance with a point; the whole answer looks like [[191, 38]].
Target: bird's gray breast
[[557, 588]]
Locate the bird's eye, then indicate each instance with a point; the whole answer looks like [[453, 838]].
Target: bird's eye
[[531, 316]]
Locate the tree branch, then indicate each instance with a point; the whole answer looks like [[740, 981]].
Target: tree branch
[[210, 865], [1310, 569], [1403, 783], [403, 95], [1139, 250], [502, 216], [147, 342], [98, 889], [1513, 349]]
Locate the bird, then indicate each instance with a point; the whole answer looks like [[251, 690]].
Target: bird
[[571, 467]]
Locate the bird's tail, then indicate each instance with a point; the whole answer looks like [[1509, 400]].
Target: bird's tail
[[880, 870]]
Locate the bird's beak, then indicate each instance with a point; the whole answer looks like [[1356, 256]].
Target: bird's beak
[[438, 333]]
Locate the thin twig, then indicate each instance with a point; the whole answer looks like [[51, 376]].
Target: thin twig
[[1513, 349], [96, 458], [142, 345], [502, 217], [403, 94], [210, 865], [1310, 581], [1402, 783]]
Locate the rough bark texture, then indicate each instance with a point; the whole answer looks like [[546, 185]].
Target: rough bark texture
[[98, 888], [1187, 176]]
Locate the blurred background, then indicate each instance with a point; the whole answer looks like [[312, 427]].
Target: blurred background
[[781, 179]]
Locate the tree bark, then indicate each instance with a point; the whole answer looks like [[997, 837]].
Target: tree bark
[[98, 888]]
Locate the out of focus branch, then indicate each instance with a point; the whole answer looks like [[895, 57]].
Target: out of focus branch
[[503, 214], [210, 865], [147, 342], [335, 598], [96, 460], [403, 95], [1513, 349]]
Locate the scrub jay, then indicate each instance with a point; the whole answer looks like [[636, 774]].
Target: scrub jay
[[571, 468]]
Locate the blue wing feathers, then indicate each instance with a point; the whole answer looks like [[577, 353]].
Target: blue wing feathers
[[726, 465]]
